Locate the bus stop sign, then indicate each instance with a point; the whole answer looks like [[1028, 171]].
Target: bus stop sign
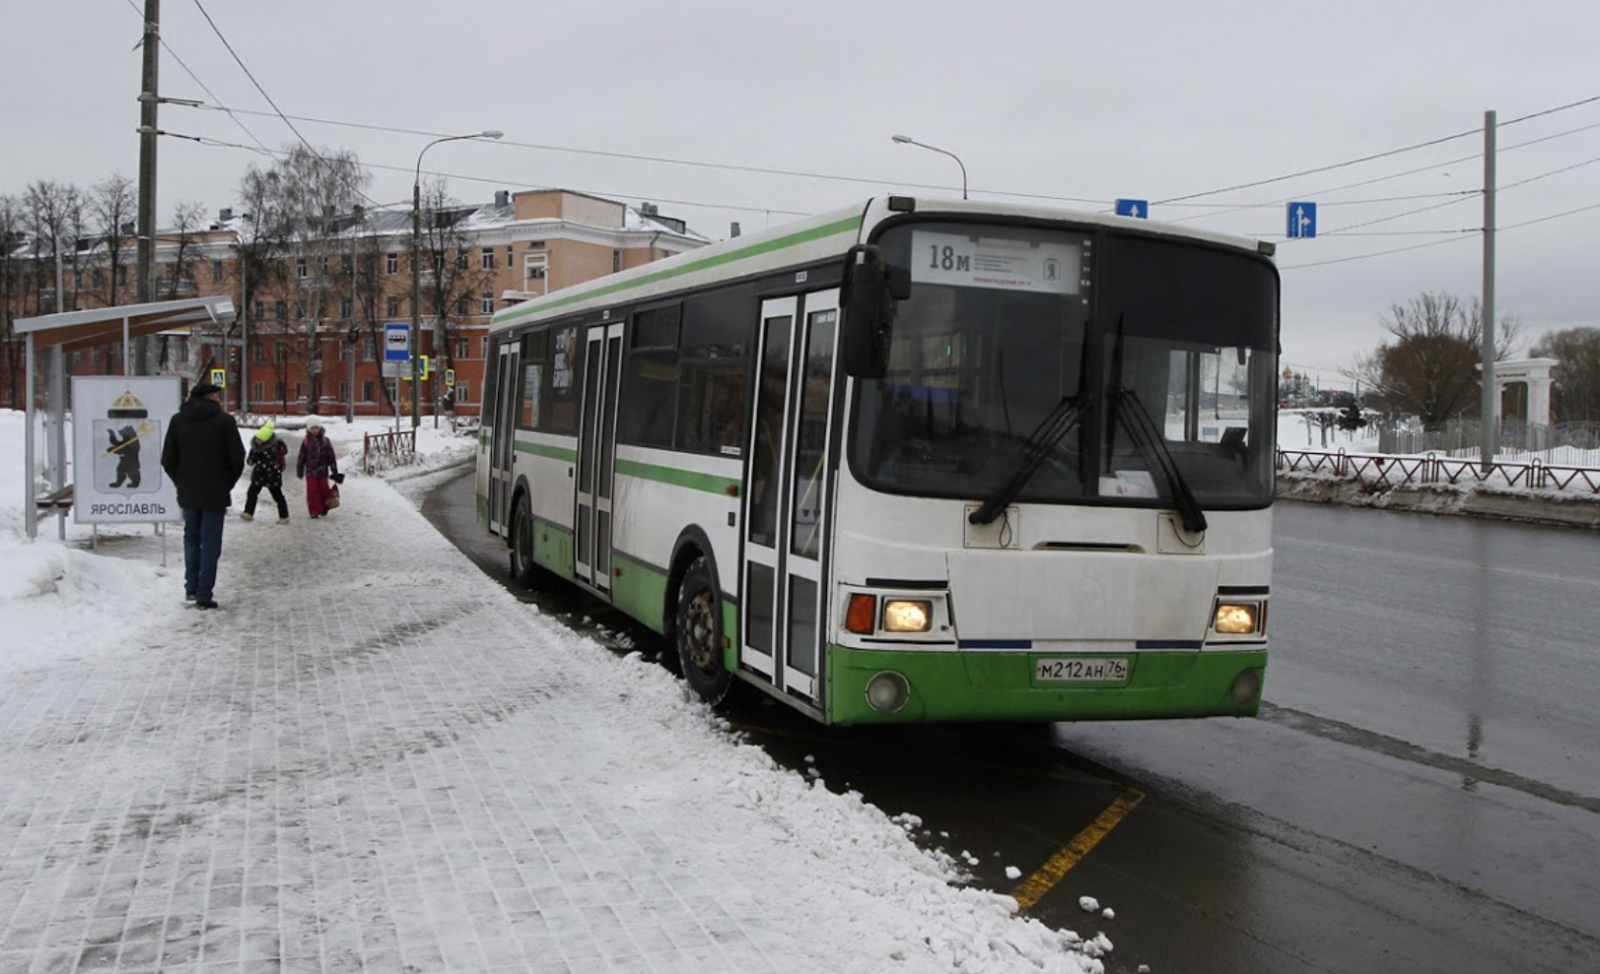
[[396, 342]]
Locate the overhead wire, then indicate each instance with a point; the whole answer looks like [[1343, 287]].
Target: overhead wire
[[196, 78], [248, 74]]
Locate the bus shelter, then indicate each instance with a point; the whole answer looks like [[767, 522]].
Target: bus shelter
[[69, 331]]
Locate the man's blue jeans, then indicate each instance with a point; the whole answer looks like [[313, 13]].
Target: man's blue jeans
[[202, 547]]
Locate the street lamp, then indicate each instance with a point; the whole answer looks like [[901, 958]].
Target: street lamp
[[908, 140], [416, 265]]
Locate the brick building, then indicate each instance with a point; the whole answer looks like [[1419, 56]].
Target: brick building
[[312, 310]]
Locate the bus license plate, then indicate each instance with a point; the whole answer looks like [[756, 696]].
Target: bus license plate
[[1109, 669]]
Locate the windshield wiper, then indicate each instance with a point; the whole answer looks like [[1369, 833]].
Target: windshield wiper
[[1149, 441], [1041, 441]]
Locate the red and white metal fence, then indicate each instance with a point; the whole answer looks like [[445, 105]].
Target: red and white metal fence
[[1382, 472]]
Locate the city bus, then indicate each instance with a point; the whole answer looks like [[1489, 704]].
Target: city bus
[[913, 460]]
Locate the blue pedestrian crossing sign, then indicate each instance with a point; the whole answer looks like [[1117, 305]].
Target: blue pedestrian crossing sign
[[1302, 220], [1139, 209]]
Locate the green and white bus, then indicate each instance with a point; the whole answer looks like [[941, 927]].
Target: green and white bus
[[915, 460]]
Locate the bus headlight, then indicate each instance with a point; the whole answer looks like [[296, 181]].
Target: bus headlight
[[1235, 618], [906, 615], [887, 691]]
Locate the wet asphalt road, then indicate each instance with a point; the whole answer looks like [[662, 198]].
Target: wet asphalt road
[[1421, 793]]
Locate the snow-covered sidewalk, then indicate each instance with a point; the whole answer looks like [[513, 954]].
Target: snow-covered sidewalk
[[373, 759]]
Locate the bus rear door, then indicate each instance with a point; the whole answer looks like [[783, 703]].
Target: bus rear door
[[602, 363], [503, 437], [783, 599]]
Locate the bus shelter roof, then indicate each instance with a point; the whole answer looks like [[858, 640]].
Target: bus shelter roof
[[73, 330]]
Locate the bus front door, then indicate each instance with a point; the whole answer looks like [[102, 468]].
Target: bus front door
[[602, 363], [503, 445], [783, 598]]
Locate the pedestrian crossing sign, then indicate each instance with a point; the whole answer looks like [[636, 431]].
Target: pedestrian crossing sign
[[219, 377]]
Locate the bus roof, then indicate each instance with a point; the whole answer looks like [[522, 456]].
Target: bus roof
[[804, 242]]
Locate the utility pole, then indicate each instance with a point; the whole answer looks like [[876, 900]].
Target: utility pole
[[1491, 391], [147, 176]]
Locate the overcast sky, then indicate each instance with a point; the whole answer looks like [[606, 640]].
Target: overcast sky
[[730, 110]]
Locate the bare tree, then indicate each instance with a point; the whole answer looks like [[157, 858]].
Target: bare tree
[[294, 233], [177, 281], [53, 210], [1575, 392], [457, 274], [1430, 367], [112, 208], [13, 284]]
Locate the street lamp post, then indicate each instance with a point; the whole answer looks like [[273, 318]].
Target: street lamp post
[[416, 266], [908, 140]]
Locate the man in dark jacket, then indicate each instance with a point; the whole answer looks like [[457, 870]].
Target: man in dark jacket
[[204, 457]]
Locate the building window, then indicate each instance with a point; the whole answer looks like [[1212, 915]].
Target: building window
[[487, 262], [462, 257], [258, 391], [216, 272], [391, 263], [260, 311], [344, 391], [463, 391], [347, 308], [279, 389], [391, 306], [509, 263], [366, 391], [534, 269], [461, 348], [280, 310], [369, 351], [300, 270], [486, 303], [299, 391], [463, 302], [122, 276], [281, 353]]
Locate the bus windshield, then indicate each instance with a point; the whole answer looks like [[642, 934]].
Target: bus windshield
[[1053, 366]]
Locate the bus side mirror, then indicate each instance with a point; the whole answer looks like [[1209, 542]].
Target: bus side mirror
[[871, 288]]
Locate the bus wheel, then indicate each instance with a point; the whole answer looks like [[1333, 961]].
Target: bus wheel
[[699, 630], [523, 566]]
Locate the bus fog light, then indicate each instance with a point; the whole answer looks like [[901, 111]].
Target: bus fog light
[[903, 615], [887, 692], [1246, 686], [1235, 619]]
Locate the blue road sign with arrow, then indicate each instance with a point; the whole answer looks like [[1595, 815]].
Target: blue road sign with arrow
[[1139, 209], [1302, 220]]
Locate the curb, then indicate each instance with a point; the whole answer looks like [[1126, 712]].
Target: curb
[[1553, 510]]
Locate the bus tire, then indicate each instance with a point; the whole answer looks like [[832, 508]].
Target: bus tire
[[523, 567], [699, 634]]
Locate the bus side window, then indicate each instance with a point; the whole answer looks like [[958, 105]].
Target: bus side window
[[558, 413], [650, 378], [533, 352], [714, 388]]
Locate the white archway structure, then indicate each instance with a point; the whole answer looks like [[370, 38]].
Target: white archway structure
[[1535, 372]]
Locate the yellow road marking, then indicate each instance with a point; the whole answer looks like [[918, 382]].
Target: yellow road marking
[[1033, 889]]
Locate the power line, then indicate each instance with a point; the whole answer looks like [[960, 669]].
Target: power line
[[196, 78], [308, 146], [218, 143], [1381, 155], [668, 160]]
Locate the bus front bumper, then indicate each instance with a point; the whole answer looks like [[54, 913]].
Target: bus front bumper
[[907, 686]]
